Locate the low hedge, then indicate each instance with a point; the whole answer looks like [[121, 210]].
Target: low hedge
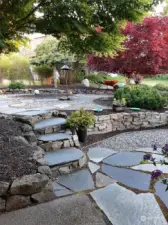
[[142, 97], [16, 85]]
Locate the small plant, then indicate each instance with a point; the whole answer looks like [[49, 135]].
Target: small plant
[[16, 85], [142, 97], [147, 157], [120, 102], [161, 87], [144, 162], [156, 174], [80, 121]]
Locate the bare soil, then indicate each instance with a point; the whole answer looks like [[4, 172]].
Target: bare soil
[[14, 152]]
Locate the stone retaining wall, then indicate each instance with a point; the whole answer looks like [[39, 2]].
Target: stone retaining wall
[[83, 90], [128, 121], [28, 189]]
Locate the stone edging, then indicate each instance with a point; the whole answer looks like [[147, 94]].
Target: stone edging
[[82, 90], [128, 121]]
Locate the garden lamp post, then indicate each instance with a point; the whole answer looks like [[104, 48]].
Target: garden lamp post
[[66, 69]]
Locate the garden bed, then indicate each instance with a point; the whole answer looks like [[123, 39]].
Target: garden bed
[[14, 152]]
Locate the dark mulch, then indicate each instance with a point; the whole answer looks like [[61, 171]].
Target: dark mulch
[[14, 153]]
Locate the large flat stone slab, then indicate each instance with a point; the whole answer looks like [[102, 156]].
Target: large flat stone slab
[[93, 167], [54, 137], [77, 181], [149, 150], [97, 154], [31, 112], [103, 180], [63, 156], [128, 177], [72, 210], [124, 207], [151, 167], [124, 159], [160, 189], [159, 158], [60, 190], [49, 123]]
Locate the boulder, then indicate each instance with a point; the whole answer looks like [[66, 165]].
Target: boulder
[[45, 170], [29, 184], [46, 195], [86, 83], [17, 202], [2, 205], [3, 188]]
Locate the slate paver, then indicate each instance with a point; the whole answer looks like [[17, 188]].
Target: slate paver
[[160, 189], [63, 156], [97, 154], [124, 159], [77, 181], [124, 207], [93, 167], [128, 177]]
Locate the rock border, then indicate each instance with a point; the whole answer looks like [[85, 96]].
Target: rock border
[[128, 121]]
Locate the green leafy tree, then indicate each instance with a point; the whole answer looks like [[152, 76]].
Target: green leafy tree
[[14, 67], [87, 26], [75, 22]]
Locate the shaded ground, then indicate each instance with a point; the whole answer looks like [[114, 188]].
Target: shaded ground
[[74, 210], [14, 152]]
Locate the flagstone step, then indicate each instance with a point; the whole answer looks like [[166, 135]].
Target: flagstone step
[[65, 157], [124, 207], [49, 125], [54, 137]]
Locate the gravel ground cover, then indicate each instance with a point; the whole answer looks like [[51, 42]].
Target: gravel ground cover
[[129, 141]]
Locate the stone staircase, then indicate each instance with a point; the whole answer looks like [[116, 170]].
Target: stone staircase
[[61, 147]]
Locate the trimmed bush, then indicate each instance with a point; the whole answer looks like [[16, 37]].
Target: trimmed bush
[[16, 85], [161, 87], [98, 79], [141, 96]]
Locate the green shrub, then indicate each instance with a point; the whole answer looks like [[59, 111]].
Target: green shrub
[[16, 85], [98, 79], [44, 70], [161, 87], [80, 119], [14, 67], [141, 97], [80, 77]]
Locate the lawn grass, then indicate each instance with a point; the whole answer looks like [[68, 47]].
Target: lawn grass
[[147, 81]]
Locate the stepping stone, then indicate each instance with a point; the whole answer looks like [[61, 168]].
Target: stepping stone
[[124, 207], [159, 158], [31, 112], [49, 123], [77, 181], [128, 177], [124, 159], [63, 156], [97, 154], [103, 180], [60, 190], [160, 189], [149, 150], [93, 167], [54, 137], [151, 167]]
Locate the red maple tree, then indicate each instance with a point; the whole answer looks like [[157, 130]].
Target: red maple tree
[[146, 49]]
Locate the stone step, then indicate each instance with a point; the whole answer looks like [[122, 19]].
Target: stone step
[[65, 160], [49, 125], [54, 137]]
